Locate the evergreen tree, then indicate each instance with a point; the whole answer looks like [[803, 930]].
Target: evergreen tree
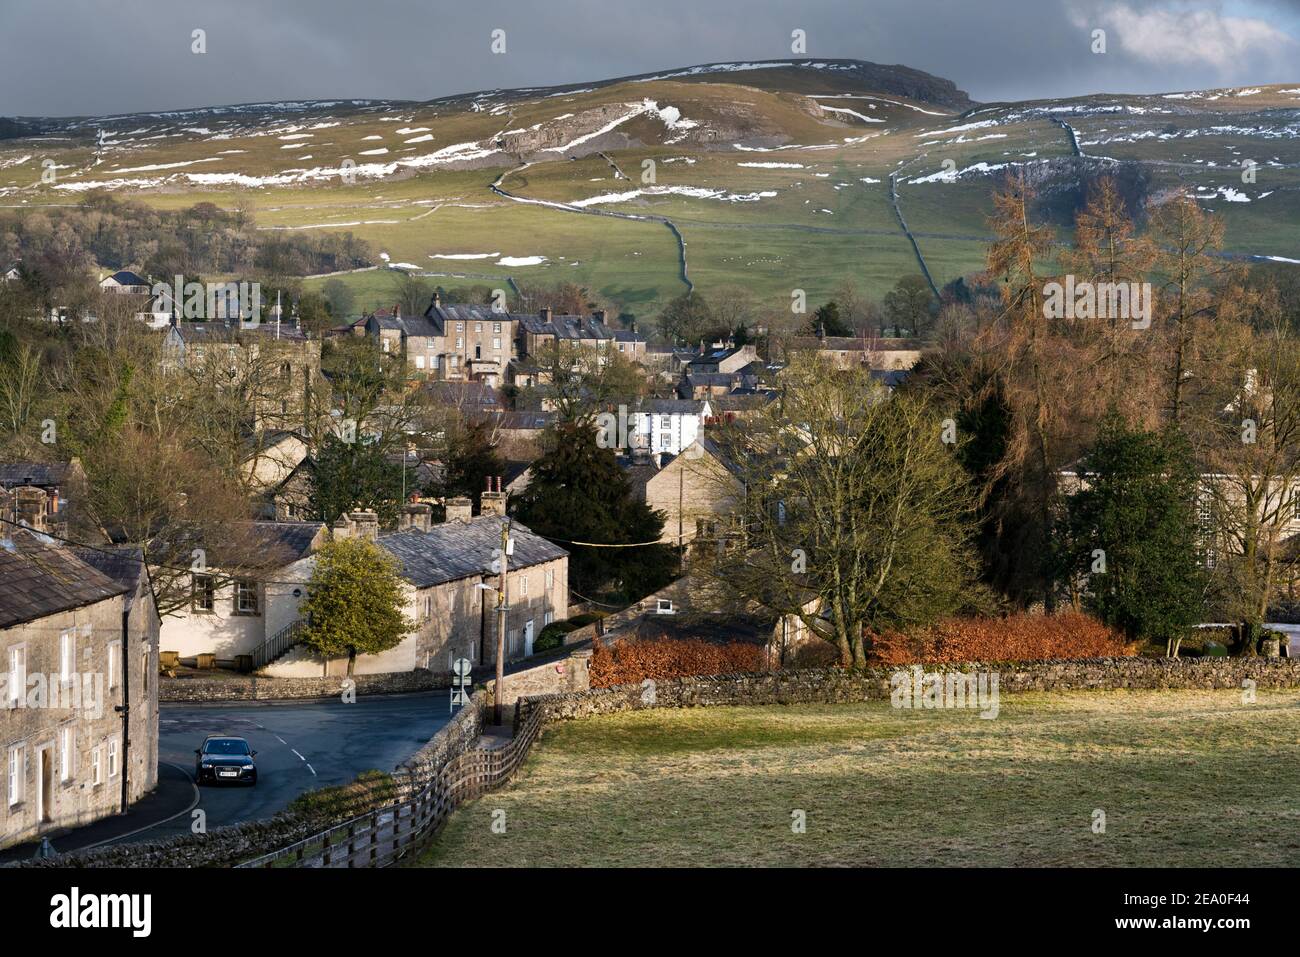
[[471, 460], [1132, 532], [579, 493], [354, 601], [356, 475]]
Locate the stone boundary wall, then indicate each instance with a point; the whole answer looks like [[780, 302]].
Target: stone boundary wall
[[831, 685], [259, 688], [557, 676], [227, 846]]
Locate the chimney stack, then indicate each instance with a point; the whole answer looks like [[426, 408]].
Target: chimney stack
[[417, 515], [459, 509], [545, 313], [365, 525], [493, 502], [437, 299]]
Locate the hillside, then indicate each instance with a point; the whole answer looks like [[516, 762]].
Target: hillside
[[774, 175]]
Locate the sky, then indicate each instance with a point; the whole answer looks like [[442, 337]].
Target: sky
[[94, 57]]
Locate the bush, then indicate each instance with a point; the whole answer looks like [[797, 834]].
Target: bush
[[631, 662], [552, 636], [1021, 637]]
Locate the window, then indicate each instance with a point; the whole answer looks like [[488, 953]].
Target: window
[[460, 327], [97, 766], [460, 342], [550, 578], [67, 655], [547, 618], [496, 343], [496, 327], [114, 647], [66, 741], [664, 606], [523, 584], [478, 327], [246, 598], [145, 671], [620, 347], [455, 362], [419, 362], [202, 593], [385, 344], [112, 758], [17, 773], [17, 674], [665, 440], [665, 422]]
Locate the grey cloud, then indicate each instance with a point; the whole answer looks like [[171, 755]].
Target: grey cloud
[[84, 56]]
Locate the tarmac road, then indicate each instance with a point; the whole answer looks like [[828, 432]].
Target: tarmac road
[[300, 745]]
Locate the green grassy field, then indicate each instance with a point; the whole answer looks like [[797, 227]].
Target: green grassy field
[[1184, 779], [777, 179]]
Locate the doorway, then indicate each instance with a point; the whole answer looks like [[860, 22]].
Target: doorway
[[528, 638]]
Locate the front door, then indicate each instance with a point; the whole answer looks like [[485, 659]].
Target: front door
[[528, 637]]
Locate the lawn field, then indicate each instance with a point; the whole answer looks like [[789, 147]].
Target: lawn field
[[1184, 778]]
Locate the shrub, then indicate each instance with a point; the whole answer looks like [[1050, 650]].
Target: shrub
[[1021, 637], [631, 662], [552, 636]]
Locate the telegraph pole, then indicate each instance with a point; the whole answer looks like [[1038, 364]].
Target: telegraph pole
[[501, 622]]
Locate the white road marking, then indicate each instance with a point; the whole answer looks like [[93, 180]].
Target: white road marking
[[300, 757], [311, 769], [280, 739]]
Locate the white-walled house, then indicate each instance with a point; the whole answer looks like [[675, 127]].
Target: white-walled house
[[666, 426], [228, 616]]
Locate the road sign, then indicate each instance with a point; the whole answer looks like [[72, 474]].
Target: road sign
[[460, 682]]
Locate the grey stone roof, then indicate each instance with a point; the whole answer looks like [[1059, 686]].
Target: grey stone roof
[[39, 474], [126, 277], [456, 550], [124, 565], [39, 578], [217, 330]]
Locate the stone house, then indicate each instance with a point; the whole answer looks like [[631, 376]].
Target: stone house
[[451, 590], [888, 355], [278, 365], [539, 331], [696, 491], [458, 343], [79, 639]]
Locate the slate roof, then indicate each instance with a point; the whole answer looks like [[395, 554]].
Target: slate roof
[[126, 277], [124, 565], [464, 394], [256, 546], [575, 327], [39, 474], [39, 578], [217, 330], [456, 550]]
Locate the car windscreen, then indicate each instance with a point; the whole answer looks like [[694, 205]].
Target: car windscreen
[[226, 746]]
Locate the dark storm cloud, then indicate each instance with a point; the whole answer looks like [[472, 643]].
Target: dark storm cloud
[[61, 57]]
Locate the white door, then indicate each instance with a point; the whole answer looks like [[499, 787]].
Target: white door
[[528, 637]]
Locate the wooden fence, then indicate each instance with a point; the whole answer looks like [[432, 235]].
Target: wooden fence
[[382, 836]]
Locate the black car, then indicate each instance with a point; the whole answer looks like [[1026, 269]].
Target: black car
[[224, 760]]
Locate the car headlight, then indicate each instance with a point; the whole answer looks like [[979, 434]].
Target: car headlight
[[248, 767]]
